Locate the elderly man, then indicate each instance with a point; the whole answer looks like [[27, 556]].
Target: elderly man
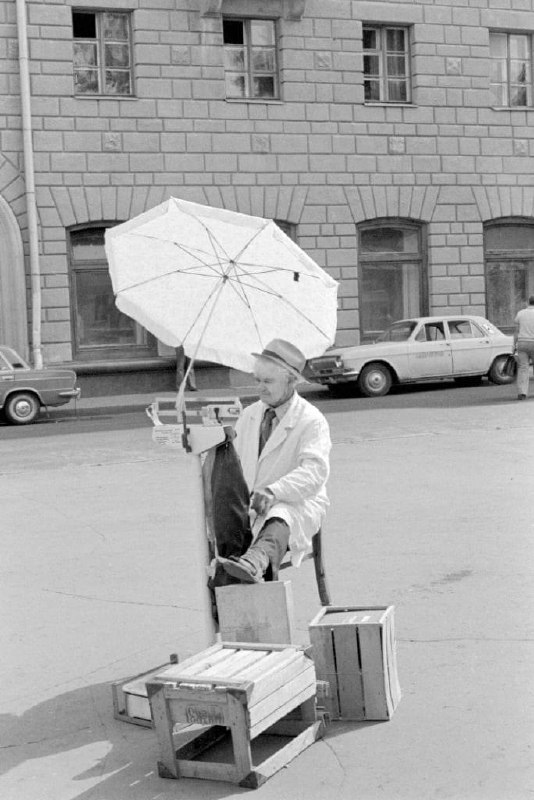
[[524, 344], [283, 443]]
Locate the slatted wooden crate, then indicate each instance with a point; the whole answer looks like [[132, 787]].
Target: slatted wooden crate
[[237, 689], [354, 650]]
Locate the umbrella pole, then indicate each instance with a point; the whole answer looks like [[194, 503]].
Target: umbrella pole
[[199, 526]]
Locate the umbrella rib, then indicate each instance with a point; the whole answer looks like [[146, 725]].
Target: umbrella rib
[[263, 269], [211, 235], [244, 298], [190, 251], [268, 290], [216, 289], [247, 245], [153, 278]]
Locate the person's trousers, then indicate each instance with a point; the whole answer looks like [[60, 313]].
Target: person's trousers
[[271, 545], [525, 352]]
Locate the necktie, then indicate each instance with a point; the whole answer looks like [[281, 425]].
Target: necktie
[[266, 427]]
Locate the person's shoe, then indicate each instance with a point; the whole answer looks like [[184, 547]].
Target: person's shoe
[[521, 397], [219, 577], [241, 568]]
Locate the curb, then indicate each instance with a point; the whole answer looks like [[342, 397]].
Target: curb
[[127, 405]]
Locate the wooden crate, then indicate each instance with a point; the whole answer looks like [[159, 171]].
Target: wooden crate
[[238, 689], [354, 650], [256, 612], [130, 698]]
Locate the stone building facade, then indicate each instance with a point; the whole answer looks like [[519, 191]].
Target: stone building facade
[[393, 140]]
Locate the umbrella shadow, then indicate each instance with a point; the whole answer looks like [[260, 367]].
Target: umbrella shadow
[[125, 767]]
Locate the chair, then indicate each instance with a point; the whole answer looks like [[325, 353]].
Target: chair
[[320, 573]]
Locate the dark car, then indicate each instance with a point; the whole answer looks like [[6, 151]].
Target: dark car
[[24, 390]]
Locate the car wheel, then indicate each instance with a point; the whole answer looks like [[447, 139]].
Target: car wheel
[[496, 373], [375, 380], [22, 408]]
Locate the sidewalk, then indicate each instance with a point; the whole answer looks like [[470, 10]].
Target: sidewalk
[[131, 403]]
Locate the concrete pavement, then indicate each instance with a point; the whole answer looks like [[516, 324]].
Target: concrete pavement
[[432, 510]]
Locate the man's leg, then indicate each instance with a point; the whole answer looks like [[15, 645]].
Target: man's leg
[[522, 370], [264, 556]]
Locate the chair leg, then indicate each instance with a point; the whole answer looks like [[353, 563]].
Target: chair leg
[[320, 574]]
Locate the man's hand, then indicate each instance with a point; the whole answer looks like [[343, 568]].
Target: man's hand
[[262, 501]]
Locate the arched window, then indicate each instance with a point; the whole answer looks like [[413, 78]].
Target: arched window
[[392, 276], [509, 255], [101, 331]]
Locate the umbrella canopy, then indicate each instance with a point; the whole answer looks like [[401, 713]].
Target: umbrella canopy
[[221, 284]]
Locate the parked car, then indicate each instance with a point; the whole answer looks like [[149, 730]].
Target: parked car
[[465, 348], [24, 390]]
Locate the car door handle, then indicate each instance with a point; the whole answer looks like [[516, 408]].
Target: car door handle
[[7, 377]]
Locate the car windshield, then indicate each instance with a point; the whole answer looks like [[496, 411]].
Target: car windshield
[[13, 359], [398, 332]]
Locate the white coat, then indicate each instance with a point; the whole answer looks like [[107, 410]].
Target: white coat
[[294, 465]]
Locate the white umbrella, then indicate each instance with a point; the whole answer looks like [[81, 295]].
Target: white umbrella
[[221, 283]]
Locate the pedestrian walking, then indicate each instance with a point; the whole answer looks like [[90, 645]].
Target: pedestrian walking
[[524, 346]]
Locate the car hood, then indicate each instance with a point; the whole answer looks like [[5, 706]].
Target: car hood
[[364, 350]]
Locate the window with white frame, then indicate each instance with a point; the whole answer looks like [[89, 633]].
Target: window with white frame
[[102, 52], [511, 69], [391, 274], [250, 59], [386, 64]]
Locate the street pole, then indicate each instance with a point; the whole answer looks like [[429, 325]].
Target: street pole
[[29, 180]]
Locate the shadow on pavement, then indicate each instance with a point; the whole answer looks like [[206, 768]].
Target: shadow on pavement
[[77, 720]]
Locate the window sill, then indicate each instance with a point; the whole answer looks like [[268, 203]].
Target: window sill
[[105, 96], [512, 108], [384, 104], [255, 101]]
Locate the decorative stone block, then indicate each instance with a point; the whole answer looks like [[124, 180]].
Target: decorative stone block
[[453, 65], [294, 9], [396, 145], [210, 8], [180, 55], [261, 143], [112, 142], [323, 60]]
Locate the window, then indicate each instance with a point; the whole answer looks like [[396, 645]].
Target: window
[[250, 59], [431, 332], [509, 254], [100, 330], [386, 65], [288, 228], [511, 69], [102, 53], [464, 329], [392, 275]]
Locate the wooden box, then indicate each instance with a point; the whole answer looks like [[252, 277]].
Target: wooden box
[[239, 690], [256, 612], [354, 650], [130, 698]]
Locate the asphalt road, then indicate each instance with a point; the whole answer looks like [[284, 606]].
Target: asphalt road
[[432, 510], [445, 394]]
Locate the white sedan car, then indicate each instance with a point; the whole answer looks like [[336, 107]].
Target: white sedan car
[[465, 348]]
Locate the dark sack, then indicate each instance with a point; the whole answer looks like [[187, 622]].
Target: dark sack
[[228, 499], [510, 367]]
